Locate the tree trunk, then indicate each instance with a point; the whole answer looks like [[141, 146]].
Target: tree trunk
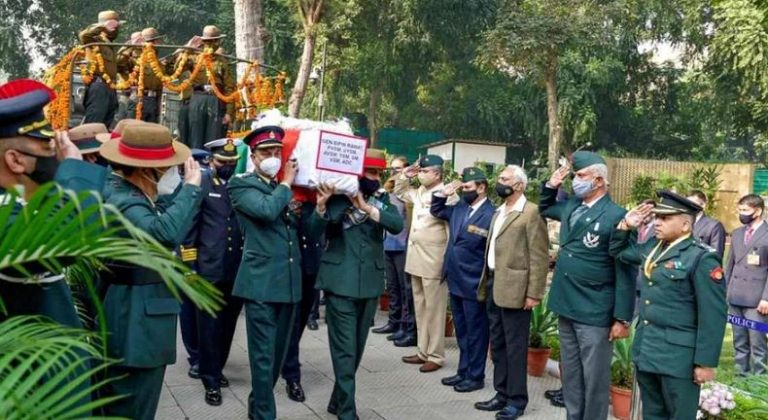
[[305, 67], [373, 109], [555, 130], [250, 34]]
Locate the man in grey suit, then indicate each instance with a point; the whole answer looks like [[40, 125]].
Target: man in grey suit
[[707, 229], [746, 273]]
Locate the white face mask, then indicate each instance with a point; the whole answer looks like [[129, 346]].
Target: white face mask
[[169, 181], [270, 166]]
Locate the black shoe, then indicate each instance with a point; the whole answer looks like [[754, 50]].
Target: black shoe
[[384, 329], [312, 324], [194, 372], [558, 401], [213, 396], [510, 412], [223, 381], [332, 408], [295, 391], [452, 380], [468, 385], [399, 335], [494, 404], [406, 342], [552, 393]]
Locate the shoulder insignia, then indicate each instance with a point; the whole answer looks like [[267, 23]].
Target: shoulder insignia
[[188, 254], [716, 274], [243, 175], [704, 246]]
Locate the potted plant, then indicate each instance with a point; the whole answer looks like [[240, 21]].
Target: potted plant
[[622, 375], [543, 327]]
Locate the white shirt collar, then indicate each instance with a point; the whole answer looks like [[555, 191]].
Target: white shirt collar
[[518, 206], [477, 205], [592, 203]]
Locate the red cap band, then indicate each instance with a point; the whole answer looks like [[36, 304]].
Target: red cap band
[[375, 163], [148, 154]]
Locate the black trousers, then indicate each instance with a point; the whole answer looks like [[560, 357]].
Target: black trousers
[[509, 351], [215, 337], [401, 311], [206, 113], [292, 367], [150, 112], [189, 330], [100, 103]]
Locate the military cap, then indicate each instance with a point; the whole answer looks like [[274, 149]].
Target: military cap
[[265, 137], [672, 203], [224, 149], [150, 34], [107, 15], [473, 174], [211, 32], [84, 136], [21, 109], [375, 159], [430, 160], [117, 132], [145, 145], [201, 156], [583, 159]]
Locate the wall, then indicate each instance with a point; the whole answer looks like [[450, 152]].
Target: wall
[[467, 154]]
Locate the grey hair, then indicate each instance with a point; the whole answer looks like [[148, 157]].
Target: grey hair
[[599, 170], [519, 174]]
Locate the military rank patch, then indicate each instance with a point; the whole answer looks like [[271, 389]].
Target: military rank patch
[[674, 265], [716, 274], [188, 254]]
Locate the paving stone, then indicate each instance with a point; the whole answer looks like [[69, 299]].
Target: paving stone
[[192, 403]]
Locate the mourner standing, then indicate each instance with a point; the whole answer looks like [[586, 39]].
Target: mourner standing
[[100, 99], [707, 229], [128, 57]]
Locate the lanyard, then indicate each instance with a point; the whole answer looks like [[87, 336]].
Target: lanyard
[[651, 263]]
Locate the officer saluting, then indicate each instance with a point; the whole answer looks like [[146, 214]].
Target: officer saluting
[[215, 247], [100, 98], [682, 309]]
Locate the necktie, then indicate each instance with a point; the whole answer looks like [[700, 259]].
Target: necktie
[[748, 235], [577, 214]]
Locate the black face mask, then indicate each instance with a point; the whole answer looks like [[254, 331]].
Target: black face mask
[[45, 168], [469, 197], [225, 172], [369, 186], [503, 191], [746, 219]]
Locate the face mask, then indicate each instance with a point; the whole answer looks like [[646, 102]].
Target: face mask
[[45, 168], [225, 172], [582, 188], [270, 166], [746, 219], [425, 180], [369, 186], [169, 181], [503, 191], [469, 197], [112, 35]]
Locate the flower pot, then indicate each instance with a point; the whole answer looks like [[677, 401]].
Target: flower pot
[[537, 360], [449, 331], [621, 401], [384, 302]]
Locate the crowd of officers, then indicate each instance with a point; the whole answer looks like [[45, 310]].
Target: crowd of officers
[[267, 250]]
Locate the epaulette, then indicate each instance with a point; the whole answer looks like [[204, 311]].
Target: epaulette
[[188, 254], [704, 246], [244, 175]]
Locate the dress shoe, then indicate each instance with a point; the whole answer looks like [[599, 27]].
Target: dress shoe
[[413, 360], [406, 342], [295, 391], [429, 367], [213, 396], [552, 393], [384, 329], [558, 401], [452, 380], [194, 372], [468, 385], [332, 408], [494, 404], [510, 412], [312, 325], [224, 382], [398, 335]]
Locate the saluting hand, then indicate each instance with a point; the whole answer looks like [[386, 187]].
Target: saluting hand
[[412, 170], [192, 173], [635, 217], [556, 180], [702, 375], [65, 149], [451, 188]]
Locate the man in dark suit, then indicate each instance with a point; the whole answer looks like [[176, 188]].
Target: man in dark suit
[[214, 247], [593, 294], [707, 229], [469, 221], [746, 273]]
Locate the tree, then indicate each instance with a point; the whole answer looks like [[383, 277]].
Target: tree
[[250, 35], [311, 13]]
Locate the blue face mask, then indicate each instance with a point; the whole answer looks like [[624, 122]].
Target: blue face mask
[[582, 188]]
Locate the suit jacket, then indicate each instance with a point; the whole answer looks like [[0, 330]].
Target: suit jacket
[[710, 232], [589, 286], [682, 312], [428, 237], [140, 310], [522, 259], [464, 256], [214, 245], [746, 282], [353, 263], [271, 268]]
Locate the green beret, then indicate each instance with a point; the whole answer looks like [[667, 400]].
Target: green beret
[[431, 160], [473, 174], [583, 159], [672, 203]]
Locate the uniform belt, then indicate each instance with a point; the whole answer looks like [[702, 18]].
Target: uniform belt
[[147, 93], [207, 89], [40, 278]]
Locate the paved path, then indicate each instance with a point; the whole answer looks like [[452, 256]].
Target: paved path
[[386, 387]]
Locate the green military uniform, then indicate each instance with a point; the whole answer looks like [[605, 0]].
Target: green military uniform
[[269, 280], [101, 99], [127, 58], [681, 319], [183, 116], [206, 111]]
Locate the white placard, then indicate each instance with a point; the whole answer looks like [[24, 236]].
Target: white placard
[[341, 153]]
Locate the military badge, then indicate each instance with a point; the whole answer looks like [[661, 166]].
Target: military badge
[[230, 146], [591, 240], [669, 265], [716, 274]]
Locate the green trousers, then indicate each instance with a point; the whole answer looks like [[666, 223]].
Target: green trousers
[[206, 113], [667, 398], [269, 327], [140, 388], [349, 320]]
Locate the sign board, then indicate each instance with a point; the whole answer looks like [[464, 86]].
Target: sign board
[[341, 153]]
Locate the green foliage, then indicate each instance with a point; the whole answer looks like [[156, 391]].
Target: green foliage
[[705, 179], [643, 187], [622, 368], [543, 325], [554, 345]]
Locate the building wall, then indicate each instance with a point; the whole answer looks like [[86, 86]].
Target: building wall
[[467, 154]]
